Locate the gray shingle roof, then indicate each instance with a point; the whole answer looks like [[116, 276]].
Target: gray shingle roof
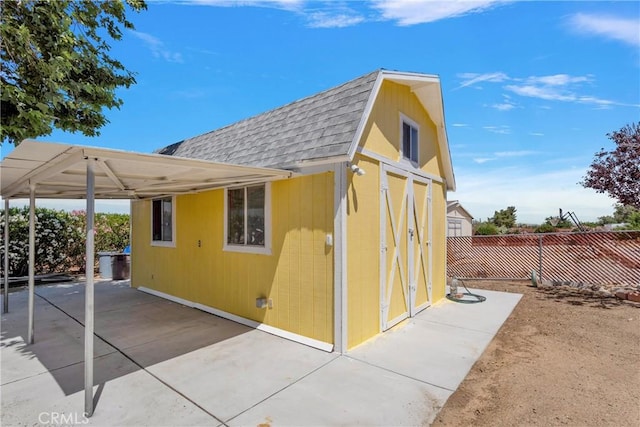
[[317, 127]]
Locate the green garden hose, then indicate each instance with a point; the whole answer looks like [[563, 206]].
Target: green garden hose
[[453, 296]]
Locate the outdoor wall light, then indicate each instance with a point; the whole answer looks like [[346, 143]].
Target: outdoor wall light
[[358, 171]]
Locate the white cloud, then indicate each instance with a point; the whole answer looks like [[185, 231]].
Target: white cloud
[[157, 47], [470, 79], [459, 125], [333, 20], [502, 154], [558, 80], [625, 30], [536, 195], [554, 87], [412, 12], [552, 93], [334, 14], [505, 106], [482, 160], [520, 153], [542, 92], [502, 129], [602, 103], [536, 133]]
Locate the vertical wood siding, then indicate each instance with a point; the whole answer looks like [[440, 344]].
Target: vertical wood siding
[[363, 252], [297, 276], [382, 136]]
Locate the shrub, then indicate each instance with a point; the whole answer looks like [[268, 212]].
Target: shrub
[[545, 228], [60, 239], [486, 229]]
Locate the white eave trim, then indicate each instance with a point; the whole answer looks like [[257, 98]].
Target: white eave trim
[[410, 79], [365, 116]]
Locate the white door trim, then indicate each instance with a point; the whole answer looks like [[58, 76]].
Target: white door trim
[[418, 261], [424, 253], [387, 277]]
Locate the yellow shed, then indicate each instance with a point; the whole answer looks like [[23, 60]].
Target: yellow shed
[[348, 246]]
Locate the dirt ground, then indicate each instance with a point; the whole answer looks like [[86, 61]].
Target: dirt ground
[[562, 358]]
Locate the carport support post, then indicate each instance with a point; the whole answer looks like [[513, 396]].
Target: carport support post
[[5, 308], [32, 259], [88, 297]]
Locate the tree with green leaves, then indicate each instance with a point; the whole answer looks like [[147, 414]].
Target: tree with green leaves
[[504, 217], [617, 172], [623, 214], [56, 70], [486, 229]]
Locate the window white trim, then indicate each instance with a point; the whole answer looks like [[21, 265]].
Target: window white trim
[[261, 250], [165, 243], [414, 162]]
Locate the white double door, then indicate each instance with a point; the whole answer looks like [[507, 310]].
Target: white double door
[[405, 255]]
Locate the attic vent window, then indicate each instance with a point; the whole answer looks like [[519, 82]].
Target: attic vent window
[[410, 140], [247, 222]]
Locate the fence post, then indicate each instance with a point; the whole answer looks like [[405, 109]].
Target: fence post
[[540, 257]]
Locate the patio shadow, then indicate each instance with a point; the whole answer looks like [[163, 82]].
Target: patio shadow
[[133, 330]]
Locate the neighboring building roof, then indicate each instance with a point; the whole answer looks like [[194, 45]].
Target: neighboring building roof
[[323, 127], [455, 204]]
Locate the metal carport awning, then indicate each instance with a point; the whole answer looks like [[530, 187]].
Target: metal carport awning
[[62, 171], [59, 172]]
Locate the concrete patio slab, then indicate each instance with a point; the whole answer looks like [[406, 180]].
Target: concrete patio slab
[[452, 337], [348, 392], [58, 341], [160, 363], [127, 397], [241, 371]]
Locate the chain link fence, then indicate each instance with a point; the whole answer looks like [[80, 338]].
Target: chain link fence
[[596, 258]]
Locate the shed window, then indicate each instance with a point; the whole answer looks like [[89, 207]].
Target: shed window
[[454, 228], [162, 220], [409, 140], [247, 218]]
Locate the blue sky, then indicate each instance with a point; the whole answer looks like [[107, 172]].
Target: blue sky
[[530, 88]]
